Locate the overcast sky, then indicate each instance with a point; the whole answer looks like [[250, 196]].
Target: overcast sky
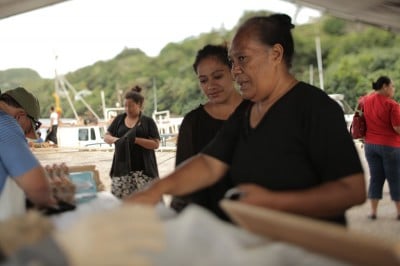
[[81, 32]]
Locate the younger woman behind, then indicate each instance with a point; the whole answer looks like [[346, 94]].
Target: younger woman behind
[[200, 125]]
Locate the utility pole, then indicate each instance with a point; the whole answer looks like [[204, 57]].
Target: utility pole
[[319, 61], [155, 95]]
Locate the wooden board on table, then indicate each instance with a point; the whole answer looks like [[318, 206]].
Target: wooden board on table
[[317, 236]]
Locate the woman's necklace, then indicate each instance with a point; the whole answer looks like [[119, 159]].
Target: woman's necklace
[[131, 122]]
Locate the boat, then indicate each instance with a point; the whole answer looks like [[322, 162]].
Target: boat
[[89, 133], [168, 128], [91, 136], [347, 110], [71, 134]]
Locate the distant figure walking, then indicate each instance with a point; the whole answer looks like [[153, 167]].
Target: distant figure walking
[[382, 143], [52, 131]]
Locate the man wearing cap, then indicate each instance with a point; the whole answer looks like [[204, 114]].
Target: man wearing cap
[[19, 118]]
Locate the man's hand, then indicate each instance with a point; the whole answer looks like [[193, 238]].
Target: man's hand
[[62, 187]]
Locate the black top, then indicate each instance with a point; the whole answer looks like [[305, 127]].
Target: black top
[[198, 128], [141, 159], [195, 132], [301, 142]]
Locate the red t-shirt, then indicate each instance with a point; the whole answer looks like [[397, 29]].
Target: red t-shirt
[[381, 115]]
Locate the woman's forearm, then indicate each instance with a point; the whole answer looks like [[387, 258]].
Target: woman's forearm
[[109, 139], [150, 144]]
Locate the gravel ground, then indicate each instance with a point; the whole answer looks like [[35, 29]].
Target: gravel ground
[[385, 227]]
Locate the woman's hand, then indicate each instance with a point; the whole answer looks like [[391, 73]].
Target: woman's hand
[[397, 129], [110, 139], [255, 195], [149, 196]]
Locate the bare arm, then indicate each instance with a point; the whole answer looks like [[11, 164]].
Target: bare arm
[[150, 144], [195, 173], [397, 129], [110, 139], [326, 200], [36, 186]]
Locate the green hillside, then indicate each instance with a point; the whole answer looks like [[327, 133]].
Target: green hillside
[[353, 56]]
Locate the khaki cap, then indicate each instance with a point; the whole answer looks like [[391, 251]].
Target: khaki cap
[[29, 103]]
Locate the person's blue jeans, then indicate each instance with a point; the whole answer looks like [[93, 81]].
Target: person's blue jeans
[[384, 164]]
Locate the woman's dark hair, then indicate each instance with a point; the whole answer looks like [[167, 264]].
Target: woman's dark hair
[[271, 30], [134, 95], [382, 80], [220, 52]]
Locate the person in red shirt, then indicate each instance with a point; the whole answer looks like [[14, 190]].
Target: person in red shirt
[[382, 143]]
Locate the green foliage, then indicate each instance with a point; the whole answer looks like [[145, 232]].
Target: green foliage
[[334, 26], [353, 56], [12, 78]]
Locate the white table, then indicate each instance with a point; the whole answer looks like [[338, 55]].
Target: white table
[[104, 200], [196, 237]]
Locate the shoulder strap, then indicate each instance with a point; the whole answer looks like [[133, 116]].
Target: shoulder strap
[[129, 131], [134, 127], [360, 105]]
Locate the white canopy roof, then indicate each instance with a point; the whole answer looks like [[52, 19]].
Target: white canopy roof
[[14, 7], [383, 13]]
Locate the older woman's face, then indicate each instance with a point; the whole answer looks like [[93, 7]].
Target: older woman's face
[[254, 66], [215, 79], [132, 109]]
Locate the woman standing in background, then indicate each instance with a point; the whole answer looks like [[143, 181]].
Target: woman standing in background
[[382, 143], [135, 137]]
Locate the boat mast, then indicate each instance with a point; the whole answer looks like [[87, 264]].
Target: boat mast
[[60, 85], [319, 61], [155, 95], [80, 98]]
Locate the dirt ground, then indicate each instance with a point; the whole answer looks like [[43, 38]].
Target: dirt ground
[[385, 227]]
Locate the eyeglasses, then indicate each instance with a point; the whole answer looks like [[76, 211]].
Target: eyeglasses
[[36, 123]]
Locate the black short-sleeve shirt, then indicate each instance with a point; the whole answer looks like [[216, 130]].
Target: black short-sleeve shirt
[[141, 159], [301, 142], [197, 129]]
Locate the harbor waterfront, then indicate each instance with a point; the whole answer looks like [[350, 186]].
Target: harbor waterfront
[[385, 227]]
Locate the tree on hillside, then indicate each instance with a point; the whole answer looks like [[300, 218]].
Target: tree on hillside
[[353, 55]]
